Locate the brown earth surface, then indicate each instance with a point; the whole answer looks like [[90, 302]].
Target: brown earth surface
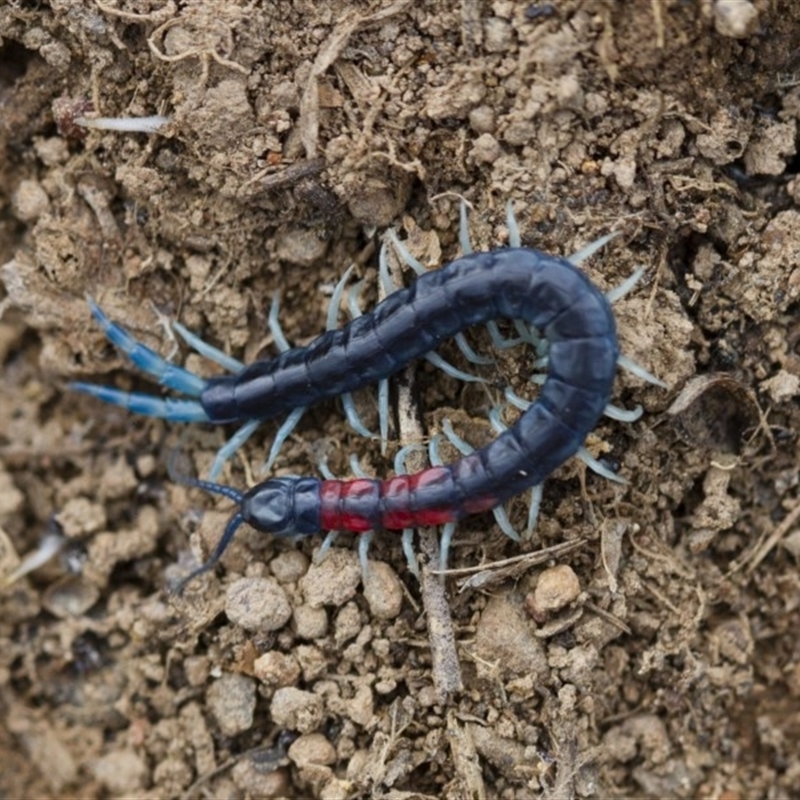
[[643, 643]]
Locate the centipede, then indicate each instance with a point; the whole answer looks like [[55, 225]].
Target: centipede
[[548, 292]]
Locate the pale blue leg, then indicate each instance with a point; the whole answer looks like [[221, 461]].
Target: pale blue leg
[[353, 294], [404, 253], [147, 360], [282, 435], [326, 545], [639, 371], [355, 467], [325, 470], [448, 529], [348, 404], [584, 455], [385, 276], [533, 510], [463, 229], [590, 249], [231, 446], [281, 343], [449, 369], [173, 409], [383, 413], [206, 350], [623, 414], [469, 353], [625, 288], [408, 551], [332, 320], [364, 541], [408, 533], [514, 236], [498, 340], [518, 402], [496, 420]]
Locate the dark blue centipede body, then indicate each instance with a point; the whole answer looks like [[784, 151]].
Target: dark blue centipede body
[[544, 290]]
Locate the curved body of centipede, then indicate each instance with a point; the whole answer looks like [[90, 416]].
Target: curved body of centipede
[[516, 283]]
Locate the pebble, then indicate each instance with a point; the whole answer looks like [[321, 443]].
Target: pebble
[[309, 622], [276, 669], [383, 591], [257, 604], [232, 701], [312, 748], [334, 581], [556, 588], [296, 709]]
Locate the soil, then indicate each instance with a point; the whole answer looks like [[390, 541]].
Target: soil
[[642, 643]]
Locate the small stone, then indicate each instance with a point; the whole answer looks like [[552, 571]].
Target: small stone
[[232, 701], [383, 591], [348, 624], [737, 19], [289, 566], [334, 581], [29, 201], [486, 149], [505, 641], [277, 669], [557, 587], [312, 748], [310, 623], [122, 772], [257, 604], [297, 710]]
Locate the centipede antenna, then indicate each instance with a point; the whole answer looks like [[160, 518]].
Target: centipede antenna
[[327, 543], [514, 236], [618, 292], [595, 466], [288, 425], [332, 317], [140, 355], [364, 541], [281, 342], [230, 529], [623, 414], [537, 492], [639, 371], [590, 249], [207, 350], [404, 253], [407, 541], [463, 229], [231, 446], [446, 539]]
